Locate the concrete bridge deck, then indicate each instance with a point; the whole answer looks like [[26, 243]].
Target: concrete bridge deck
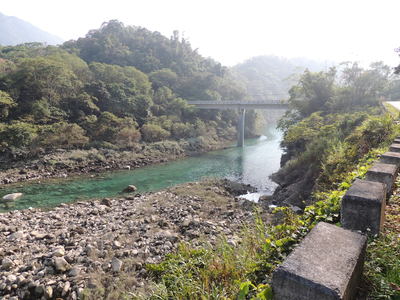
[[241, 106], [236, 104]]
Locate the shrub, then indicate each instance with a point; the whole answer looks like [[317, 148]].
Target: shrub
[[128, 136], [64, 135], [154, 133]]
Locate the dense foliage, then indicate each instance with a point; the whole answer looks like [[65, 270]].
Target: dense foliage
[[117, 86], [332, 122]]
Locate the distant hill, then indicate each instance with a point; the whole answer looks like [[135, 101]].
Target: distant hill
[[270, 77], [14, 31]]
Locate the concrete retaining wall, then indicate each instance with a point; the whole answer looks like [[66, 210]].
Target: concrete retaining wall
[[328, 263]]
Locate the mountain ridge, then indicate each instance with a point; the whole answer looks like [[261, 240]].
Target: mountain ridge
[[14, 31]]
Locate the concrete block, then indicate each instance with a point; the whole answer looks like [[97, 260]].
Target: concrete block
[[390, 158], [363, 206], [384, 173], [326, 265], [394, 148]]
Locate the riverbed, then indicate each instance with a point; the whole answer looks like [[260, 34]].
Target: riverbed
[[251, 164]]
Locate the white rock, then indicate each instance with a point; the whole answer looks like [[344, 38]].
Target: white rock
[[12, 278], [117, 244], [12, 197], [48, 293], [58, 252]]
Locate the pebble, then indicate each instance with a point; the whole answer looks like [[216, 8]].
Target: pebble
[[59, 252], [6, 263], [61, 264]]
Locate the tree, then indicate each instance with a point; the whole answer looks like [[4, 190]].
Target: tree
[[6, 103]]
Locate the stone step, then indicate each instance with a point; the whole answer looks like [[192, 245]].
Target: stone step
[[396, 140], [394, 148], [390, 158], [326, 265], [363, 206], [384, 173]]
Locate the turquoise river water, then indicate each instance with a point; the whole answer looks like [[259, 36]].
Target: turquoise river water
[[251, 164]]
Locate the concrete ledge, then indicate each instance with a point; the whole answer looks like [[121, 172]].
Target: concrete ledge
[[384, 173], [390, 158], [394, 148], [363, 206], [327, 265]]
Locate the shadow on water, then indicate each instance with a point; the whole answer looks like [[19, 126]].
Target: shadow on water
[[252, 164]]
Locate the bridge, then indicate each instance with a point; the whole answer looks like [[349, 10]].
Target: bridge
[[241, 106]]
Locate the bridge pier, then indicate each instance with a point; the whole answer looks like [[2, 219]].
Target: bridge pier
[[241, 105], [242, 114]]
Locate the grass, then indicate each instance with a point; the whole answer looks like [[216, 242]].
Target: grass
[[210, 271], [382, 267], [391, 109], [243, 271]]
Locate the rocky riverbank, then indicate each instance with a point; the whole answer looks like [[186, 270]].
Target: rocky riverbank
[[85, 247], [63, 163]]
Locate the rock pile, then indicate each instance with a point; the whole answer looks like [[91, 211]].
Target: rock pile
[[59, 253]]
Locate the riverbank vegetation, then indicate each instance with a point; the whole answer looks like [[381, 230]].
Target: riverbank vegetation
[[115, 88], [335, 118], [332, 147]]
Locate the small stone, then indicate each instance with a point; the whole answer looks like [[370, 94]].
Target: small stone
[[11, 278], [48, 293], [59, 252], [130, 189], [66, 288], [16, 236], [39, 290], [61, 264], [7, 263], [74, 272], [117, 244], [106, 202], [116, 265], [38, 235]]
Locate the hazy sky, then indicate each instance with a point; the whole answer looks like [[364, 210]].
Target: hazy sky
[[232, 30]]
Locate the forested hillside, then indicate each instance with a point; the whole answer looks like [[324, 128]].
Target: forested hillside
[[116, 87], [271, 77], [15, 31]]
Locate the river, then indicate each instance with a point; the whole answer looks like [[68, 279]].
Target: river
[[251, 164]]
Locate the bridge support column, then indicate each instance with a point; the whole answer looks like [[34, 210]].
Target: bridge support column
[[242, 113]]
